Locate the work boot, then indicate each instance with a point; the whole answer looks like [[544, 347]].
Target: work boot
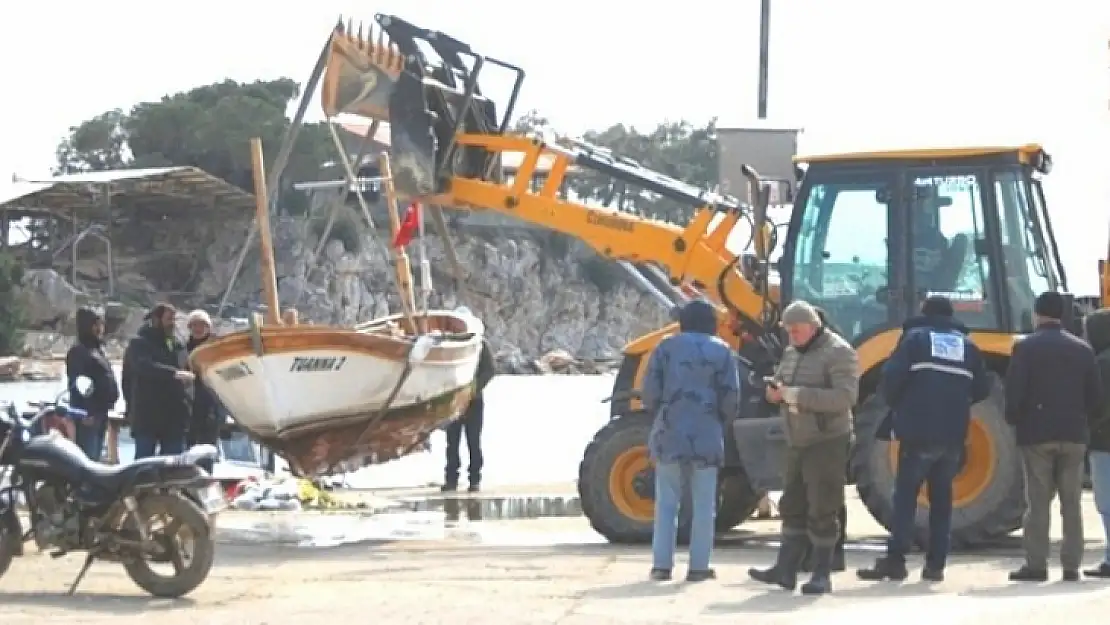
[[884, 568], [449, 487], [838, 564], [1100, 571], [785, 570], [820, 582], [1026, 574], [474, 487]]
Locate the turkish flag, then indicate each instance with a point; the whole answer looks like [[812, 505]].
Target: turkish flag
[[410, 224]]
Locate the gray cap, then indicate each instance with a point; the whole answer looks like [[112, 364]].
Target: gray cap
[[800, 312]]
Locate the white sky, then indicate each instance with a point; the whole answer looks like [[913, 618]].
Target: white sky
[[855, 73]]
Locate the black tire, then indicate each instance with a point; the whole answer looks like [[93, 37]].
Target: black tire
[[991, 515], [736, 501], [9, 543], [735, 504], [179, 508], [604, 514]]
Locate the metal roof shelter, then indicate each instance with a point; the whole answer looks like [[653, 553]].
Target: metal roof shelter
[[90, 202], [167, 188]]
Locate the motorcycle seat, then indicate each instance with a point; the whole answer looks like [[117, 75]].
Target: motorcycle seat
[[108, 477]]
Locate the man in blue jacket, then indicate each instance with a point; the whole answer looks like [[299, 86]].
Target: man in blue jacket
[[930, 382], [692, 386]]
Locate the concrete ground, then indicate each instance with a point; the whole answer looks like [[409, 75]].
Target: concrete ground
[[541, 570]]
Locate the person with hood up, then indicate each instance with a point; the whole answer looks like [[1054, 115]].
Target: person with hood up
[[816, 383], [692, 387], [1097, 325], [208, 414], [930, 382], [155, 385], [87, 358]]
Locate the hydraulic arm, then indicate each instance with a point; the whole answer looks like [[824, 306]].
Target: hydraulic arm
[[448, 142]]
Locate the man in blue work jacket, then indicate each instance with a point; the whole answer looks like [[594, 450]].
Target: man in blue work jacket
[[930, 382]]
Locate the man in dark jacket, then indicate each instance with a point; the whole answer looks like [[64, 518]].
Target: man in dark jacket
[[208, 414], [87, 358], [1098, 450], [154, 384], [470, 424], [930, 383], [1052, 392], [692, 387]]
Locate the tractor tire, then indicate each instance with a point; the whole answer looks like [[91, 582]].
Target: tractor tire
[[616, 509], [736, 501], [988, 492]]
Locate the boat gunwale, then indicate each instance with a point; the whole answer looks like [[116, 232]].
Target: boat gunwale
[[281, 340]]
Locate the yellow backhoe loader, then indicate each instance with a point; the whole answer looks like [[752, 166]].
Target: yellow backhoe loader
[[870, 234]]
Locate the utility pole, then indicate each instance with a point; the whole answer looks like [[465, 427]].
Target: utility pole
[[764, 47]]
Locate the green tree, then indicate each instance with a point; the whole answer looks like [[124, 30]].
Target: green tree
[[681, 150], [11, 305], [209, 127]]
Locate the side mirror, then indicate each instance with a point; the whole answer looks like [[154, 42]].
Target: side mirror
[[84, 385]]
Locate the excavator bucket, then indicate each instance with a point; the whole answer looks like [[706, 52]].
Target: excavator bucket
[[419, 82]]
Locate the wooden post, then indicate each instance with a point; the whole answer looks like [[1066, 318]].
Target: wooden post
[[400, 257], [265, 239]]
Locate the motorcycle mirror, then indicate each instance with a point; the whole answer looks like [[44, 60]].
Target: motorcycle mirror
[[84, 385]]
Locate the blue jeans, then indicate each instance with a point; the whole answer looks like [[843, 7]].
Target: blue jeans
[[935, 466], [669, 482], [90, 436], [1100, 480], [147, 445]]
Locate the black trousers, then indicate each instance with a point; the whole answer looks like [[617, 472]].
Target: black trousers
[[469, 424]]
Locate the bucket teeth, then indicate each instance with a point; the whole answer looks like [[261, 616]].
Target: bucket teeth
[[359, 39]]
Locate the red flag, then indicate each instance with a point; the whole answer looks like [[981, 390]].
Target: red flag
[[409, 226]]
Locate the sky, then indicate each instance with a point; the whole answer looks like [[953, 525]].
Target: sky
[[855, 74]]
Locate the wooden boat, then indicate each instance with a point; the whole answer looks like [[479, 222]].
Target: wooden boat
[[334, 399]]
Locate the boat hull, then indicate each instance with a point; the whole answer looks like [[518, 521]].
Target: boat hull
[[334, 399]]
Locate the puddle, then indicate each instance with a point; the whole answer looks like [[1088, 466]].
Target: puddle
[[438, 518], [496, 508]]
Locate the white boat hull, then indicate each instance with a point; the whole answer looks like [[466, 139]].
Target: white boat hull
[[332, 399]]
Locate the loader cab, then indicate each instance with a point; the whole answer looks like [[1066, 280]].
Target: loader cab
[[872, 235]]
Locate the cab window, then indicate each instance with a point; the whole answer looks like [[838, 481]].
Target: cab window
[[840, 255], [946, 211], [1029, 271]]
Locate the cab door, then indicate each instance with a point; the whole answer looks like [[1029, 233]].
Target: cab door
[[839, 256]]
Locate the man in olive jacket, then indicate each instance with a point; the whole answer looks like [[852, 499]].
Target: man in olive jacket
[[817, 384]]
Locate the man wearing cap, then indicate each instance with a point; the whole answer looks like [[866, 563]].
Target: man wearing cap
[[155, 386], [930, 383], [816, 384], [1053, 392], [87, 358]]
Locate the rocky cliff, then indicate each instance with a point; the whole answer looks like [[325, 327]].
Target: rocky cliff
[[536, 291]]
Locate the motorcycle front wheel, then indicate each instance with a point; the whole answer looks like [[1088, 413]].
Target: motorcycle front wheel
[[183, 531], [8, 547]]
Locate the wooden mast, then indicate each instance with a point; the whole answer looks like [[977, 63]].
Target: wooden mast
[[400, 256], [265, 239]]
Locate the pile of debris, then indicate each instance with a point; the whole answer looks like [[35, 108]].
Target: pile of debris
[[556, 361], [284, 493]]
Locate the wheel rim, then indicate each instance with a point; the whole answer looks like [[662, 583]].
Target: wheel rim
[[629, 466], [976, 466]]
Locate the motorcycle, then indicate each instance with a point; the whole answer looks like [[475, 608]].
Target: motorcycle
[[138, 514]]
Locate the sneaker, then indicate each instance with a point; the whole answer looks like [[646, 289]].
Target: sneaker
[[701, 576], [1026, 574], [660, 575]]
